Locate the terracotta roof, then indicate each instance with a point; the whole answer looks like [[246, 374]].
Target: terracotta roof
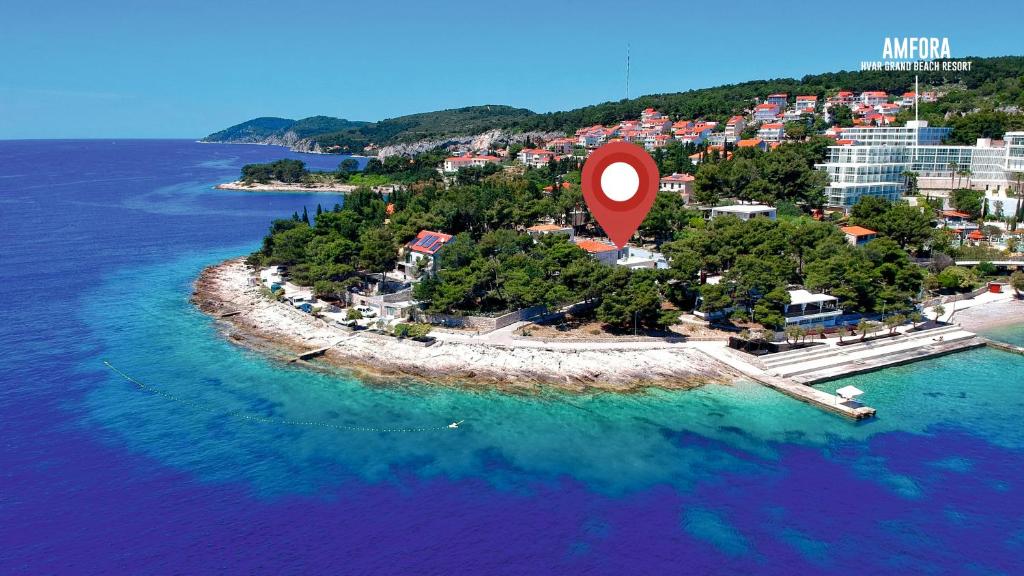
[[550, 188], [976, 235], [428, 242], [773, 126], [678, 178], [546, 228], [955, 214], [857, 231], [595, 247], [749, 143]]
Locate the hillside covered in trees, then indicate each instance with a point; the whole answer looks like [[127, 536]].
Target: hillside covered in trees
[[984, 101]]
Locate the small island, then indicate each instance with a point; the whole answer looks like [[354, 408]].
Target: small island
[[288, 175]]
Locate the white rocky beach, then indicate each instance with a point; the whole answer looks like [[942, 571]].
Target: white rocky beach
[[304, 188], [274, 327]]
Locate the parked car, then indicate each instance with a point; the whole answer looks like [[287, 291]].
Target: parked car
[[367, 312]]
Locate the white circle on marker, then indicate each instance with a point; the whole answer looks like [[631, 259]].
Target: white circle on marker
[[619, 181]]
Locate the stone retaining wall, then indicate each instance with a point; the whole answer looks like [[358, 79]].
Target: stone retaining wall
[[483, 323]]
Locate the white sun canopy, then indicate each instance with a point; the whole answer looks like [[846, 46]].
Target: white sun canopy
[[849, 392]]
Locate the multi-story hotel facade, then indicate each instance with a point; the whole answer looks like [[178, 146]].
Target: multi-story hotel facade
[[879, 159]]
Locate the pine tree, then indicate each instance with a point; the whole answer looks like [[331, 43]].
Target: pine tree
[[305, 215], [319, 209]]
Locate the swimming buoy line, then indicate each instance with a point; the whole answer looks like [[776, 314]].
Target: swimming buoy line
[[262, 420]]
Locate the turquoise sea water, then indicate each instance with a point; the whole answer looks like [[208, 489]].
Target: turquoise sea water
[[102, 478]]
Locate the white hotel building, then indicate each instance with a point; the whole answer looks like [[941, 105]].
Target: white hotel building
[[875, 164]]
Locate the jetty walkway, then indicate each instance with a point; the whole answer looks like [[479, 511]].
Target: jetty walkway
[[794, 372]]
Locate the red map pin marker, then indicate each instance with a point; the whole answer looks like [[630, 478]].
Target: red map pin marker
[[620, 181]]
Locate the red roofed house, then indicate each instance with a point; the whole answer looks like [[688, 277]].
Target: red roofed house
[[834, 132], [713, 149], [873, 97], [454, 163], [908, 99], [681, 183], [772, 132], [535, 157], [806, 103], [843, 98], [734, 127], [694, 135], [650, 114], [661, 124], [594, 136], [545, 229], [606, 254], [888, 109], [561, 145], [858, 236], [779, 100], [658, 141], [421, 253], [752, 143], [765, 112]]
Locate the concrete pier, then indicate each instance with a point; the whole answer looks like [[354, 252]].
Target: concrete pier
[[794, 372], [819, 398], [1004, 346]]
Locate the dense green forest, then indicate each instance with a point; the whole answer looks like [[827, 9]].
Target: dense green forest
[[493, 266], [259, 129], [991, 94]]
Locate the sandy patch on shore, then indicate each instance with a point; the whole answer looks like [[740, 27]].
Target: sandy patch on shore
[[282, 331], [993, 315]]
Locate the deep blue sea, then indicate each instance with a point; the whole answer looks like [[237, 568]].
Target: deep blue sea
[[99, 244]]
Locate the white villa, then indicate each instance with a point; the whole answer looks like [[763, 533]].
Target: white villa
[[455, 163], [808, 309], [745, 211]]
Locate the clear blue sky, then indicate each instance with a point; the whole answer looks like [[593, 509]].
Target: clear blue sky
[[106, 68]]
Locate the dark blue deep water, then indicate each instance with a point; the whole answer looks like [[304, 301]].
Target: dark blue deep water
[[99, 244]]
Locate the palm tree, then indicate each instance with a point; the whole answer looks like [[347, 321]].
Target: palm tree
[[910, 178], [960, 175], [953, 167]]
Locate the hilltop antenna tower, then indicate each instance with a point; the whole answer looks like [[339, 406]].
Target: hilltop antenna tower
[[627, 70]]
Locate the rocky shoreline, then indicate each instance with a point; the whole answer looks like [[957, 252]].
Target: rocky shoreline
[[285, 187], [246, 317]]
